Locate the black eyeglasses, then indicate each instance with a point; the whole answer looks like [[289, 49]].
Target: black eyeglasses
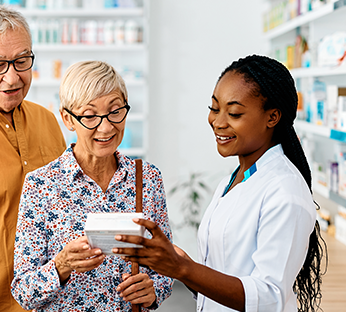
[[20, 64], [93, 121]]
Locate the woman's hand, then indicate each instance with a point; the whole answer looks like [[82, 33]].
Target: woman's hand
[[137, 289], [158, 253], [77, 255]]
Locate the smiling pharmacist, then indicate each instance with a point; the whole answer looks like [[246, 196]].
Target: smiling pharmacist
[[30, 137]]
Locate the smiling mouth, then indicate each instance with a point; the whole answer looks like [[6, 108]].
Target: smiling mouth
[[10, 91], [222, 138], [105, 140]]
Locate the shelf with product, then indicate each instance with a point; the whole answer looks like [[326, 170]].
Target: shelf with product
[[65, 32], [83, 12], [307, 130], [309, 37]]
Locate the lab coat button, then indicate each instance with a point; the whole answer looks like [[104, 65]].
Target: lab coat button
[[25, 163], [7, 126]]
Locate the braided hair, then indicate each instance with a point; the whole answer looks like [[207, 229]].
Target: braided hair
[[273, 81]]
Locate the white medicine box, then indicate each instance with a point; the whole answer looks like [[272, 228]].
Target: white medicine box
[[100, 229]]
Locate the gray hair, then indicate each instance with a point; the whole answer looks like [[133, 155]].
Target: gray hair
[[86, 81], [12, 20]]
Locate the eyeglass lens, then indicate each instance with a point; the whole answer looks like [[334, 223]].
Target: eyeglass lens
[[116, 116], [20, 64]]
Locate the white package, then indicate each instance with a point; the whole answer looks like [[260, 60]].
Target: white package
[[100, 229]]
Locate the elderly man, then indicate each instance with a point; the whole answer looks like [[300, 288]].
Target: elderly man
[[30, 137]]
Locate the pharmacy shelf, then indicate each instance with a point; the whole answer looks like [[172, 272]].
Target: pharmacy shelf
[[56, 82], [304, 126], [89, 48], [81, 12], [326, 132], [326, 193], [318, 71], [321, 190], [300, 20]]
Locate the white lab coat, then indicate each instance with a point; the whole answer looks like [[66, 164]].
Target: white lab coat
[[259, 232]]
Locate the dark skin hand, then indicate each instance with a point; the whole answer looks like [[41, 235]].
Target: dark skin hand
[[159, 254]]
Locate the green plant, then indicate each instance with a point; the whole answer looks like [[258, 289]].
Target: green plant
[[190, 193]]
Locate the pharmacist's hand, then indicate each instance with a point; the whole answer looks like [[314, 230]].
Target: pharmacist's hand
[[158, 253], [77, 255], [181, 252], [137, 289]]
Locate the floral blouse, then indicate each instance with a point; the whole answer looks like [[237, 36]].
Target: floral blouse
[[54, 204]]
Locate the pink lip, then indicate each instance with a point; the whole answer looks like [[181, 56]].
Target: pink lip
[[12, 93], [105, 142], [221, 142]]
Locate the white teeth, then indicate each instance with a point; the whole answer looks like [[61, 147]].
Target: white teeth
[[103, 140], [224, 138]]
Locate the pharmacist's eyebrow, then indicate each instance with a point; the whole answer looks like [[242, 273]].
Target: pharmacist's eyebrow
[[228, 103]]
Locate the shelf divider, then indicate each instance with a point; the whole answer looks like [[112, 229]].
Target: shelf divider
[[300, 21]]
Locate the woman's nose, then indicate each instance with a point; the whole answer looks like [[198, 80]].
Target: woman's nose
[[220, 121], [105, 125]]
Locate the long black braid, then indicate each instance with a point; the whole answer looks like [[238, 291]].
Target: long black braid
[[272, 79]]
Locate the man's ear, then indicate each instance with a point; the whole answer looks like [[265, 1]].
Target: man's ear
[[274, 116]]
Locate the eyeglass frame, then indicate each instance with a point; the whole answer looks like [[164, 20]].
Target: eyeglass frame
[[32, 56], [79, 117]]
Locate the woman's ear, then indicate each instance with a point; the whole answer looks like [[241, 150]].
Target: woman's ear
[[66, 118], [274, 116]]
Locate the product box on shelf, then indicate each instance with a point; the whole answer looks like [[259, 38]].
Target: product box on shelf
[[342, 173], [333, 93], [340, 224], [341, 120], [71, 4], [318, 102], [331, 49], [323, 218]]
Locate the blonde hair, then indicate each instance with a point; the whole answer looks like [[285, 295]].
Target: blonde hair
[[86, 81], [12, 20]]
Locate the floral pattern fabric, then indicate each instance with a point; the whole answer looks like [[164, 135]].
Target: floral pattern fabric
[[54, 204]]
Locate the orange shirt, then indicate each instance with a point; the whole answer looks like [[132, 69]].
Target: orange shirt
[[36, 140]]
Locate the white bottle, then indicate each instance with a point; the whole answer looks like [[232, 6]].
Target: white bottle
[[65, 36], [42, 31], [91, 32], [50, 4], [131, 32], [108, 32], [41, 4], [74, 31], [100, 32], [30, 4], [119, 32], [33, 24]]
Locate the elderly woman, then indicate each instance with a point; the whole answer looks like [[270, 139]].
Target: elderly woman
[[55, 268]]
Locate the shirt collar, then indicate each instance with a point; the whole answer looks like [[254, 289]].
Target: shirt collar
[[268, 156]]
